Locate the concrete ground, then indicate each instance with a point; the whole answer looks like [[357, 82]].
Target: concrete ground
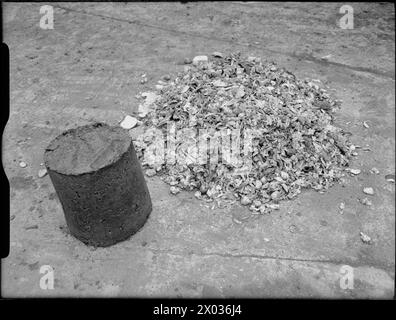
[[89, 68]]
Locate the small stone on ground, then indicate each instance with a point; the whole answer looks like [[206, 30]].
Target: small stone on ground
[[128, 122], [42, 173], [369, 191]]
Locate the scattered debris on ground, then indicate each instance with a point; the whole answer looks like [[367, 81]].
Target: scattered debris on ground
[[354, 171], [369, 191], [366, 202], [22, 164], [390, 178], [296, 146], [129, 122], [174, 190], [187, 61], [365, 238], [143, 79], [342, 207], [35, 226], [326, 57], [42, 173], [199, 59], [150, 172]]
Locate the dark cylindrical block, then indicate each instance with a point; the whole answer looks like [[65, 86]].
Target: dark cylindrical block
[[99, 182]]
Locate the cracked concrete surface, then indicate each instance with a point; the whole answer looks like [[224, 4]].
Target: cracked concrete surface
[[89, 68]]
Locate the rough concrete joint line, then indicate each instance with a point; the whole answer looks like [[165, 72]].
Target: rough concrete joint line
[[319, 61], [390, 75], [265, 257]]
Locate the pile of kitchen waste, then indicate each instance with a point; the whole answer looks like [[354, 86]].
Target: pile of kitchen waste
[[297, 147]]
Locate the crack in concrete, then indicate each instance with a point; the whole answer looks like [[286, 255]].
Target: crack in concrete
[[384, 74]]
